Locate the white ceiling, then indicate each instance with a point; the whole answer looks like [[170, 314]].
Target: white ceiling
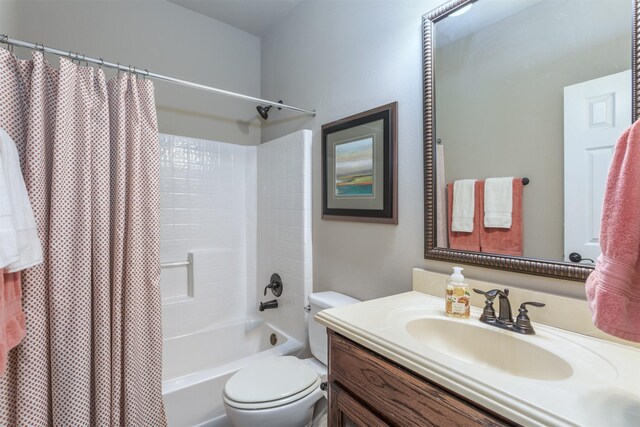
[[253, 16]]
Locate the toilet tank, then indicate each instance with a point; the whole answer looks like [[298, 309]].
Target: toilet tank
[[318, 333]]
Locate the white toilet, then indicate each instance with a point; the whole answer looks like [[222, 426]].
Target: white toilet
[[282, 391]]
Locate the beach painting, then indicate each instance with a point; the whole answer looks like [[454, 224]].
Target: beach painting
[[354, 168]]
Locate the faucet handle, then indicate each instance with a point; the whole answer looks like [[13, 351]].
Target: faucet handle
[[489, 295], [492, 294], [488, 313], [275, 284], [523, 323], [531, 303]]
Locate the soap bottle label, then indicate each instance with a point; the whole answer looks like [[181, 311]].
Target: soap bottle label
[[458, 299]]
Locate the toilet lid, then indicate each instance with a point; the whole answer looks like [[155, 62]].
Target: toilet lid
[[270, 379]]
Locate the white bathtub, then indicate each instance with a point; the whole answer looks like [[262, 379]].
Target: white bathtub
[[196, 367]]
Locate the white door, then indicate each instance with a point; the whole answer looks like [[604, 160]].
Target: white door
[[596, 112]]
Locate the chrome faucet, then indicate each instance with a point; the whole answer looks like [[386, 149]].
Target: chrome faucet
[[504, 320]]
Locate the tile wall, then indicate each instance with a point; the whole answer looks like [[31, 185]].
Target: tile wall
[[207, 197], [284, 228], [239, 213]]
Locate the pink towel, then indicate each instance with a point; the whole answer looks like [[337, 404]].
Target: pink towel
[[506, 241], [12, 328], [613, 288], [467, 241]]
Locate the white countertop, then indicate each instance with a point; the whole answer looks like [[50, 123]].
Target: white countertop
[[603, 391]]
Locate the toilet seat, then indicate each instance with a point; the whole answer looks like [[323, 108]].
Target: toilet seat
[[271, 382]]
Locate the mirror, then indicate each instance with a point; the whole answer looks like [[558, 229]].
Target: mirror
[[535, 89]]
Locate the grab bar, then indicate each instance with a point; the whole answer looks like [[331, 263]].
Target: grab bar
[[175, 264]]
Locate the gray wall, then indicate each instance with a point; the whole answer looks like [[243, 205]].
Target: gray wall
[[7, 17], [506, 82], [342, 58], [338, 57], [166, 39]]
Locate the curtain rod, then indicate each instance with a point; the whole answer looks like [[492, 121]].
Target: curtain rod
[[5, 39]]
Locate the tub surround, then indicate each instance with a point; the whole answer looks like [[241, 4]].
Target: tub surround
[[207, 191], [241, 213], [598, 387], [284, 244]]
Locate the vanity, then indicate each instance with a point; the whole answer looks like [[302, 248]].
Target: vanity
[[400, 360], [360, 379]]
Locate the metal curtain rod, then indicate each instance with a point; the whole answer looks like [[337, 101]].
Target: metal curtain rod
[[144, 72]]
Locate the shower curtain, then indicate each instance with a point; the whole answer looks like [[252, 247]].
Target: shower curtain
[[92, 355]]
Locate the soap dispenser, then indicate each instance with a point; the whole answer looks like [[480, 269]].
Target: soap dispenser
[[458, 297]]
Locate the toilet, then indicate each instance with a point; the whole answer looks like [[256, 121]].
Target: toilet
[[282, 391]]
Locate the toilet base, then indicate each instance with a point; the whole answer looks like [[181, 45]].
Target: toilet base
[[294, 414]]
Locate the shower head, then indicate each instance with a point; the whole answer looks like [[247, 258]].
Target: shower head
[[264, 111]]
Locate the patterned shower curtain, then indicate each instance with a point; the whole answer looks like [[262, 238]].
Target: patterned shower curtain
[[92, 355]]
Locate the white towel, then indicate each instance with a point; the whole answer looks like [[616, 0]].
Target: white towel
[[464, 205], [498, 202], [8, 240], [24, 224]]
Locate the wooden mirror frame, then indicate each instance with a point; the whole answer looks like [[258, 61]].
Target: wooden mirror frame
[[540, 267]]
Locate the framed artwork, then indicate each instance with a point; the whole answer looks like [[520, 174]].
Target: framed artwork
[[360, 167]]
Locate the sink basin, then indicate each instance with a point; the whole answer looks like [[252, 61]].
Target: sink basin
[[490, 348]]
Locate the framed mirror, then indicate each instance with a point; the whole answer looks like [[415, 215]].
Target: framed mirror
[[537, 91]]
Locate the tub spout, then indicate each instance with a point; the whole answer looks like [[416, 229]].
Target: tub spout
[[268, 305]]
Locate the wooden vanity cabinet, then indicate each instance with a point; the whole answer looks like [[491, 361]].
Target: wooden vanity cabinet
[[366, 389]]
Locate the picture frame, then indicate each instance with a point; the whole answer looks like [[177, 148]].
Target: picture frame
[[360, 167]]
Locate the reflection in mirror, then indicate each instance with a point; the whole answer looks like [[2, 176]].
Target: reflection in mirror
[[529, 88]]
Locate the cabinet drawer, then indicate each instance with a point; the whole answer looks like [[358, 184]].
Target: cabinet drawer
[[398, 396]]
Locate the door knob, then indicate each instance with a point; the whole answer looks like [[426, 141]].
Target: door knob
[[576, 257]]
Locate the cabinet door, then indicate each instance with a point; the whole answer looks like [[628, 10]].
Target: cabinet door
[[399, 397], [345, 411]]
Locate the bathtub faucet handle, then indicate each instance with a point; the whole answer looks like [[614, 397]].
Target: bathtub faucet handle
[[275, 284]]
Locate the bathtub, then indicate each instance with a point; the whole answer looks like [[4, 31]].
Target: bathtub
[[197, 366]]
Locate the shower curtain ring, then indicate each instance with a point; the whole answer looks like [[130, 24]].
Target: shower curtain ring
[[146, 74], [101, 64], [118, 64]]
